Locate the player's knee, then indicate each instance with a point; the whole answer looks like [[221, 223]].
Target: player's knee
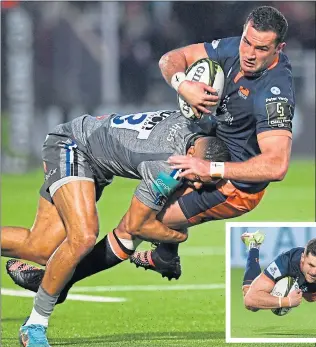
[[83, 244], [42, 258], [40, 254], [89, 241]]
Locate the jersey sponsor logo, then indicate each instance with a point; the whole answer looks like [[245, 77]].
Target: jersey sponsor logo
[[215, 43], [229, 118], [304, 288], [243, 92], [278, 98], [275, 90], [143, 123], [274, 270], [164, 186], [280, 115]]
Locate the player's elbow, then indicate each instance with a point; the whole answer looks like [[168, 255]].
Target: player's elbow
[[280, 173], [278, 169], [162, 61], [249, 302]]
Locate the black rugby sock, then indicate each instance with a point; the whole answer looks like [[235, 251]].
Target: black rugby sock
[[252, 267], [106, 253], [167, 251]]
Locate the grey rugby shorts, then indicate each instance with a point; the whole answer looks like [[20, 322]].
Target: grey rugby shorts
[[64, 162]]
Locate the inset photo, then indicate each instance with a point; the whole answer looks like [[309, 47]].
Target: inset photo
[[270, 282]]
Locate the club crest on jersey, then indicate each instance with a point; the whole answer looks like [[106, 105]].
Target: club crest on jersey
[[275, 90], [215, 43], [243, 92]]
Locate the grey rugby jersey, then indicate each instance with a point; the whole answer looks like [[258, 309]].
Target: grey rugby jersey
[[134, 146]]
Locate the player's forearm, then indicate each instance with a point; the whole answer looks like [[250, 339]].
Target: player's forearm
[[264, 300], [257, 169], [172, 62], [156, 231]]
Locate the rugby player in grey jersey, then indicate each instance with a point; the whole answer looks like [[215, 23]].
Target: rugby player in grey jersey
[[80, 158]]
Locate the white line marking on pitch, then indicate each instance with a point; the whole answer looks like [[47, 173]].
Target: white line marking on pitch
[[77, 297], [148, 288]]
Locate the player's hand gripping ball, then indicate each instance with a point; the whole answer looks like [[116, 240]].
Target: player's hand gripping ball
[[209, 72], [282, 289]]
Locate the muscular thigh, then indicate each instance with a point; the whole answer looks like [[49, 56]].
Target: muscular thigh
[[48, 231], [76, 205]]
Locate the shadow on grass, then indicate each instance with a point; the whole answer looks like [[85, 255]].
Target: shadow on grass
[[163, 336]]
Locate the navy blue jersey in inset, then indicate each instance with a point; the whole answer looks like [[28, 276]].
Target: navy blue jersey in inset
[[288, 264], [251, 106]]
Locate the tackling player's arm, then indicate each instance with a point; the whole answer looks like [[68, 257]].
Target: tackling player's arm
[[258, 295], [271, 165], [173, 65], [140, 220]]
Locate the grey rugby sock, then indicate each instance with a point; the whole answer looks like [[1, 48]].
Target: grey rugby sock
[[44, 303]]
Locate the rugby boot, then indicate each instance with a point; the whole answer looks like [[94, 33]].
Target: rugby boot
[[25, 275], [30, 277], [150, 260], [252, 240], [33, 335]]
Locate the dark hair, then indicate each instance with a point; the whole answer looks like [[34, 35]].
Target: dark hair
[[268, 18], [216, 149], [311, 247]]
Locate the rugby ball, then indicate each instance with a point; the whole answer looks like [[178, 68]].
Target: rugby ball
[[281, 289], [206, 71]]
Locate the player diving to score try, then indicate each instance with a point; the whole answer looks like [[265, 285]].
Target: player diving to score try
[[298, 263]]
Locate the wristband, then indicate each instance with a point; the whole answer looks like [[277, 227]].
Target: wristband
[[177, 79], [217, 169]]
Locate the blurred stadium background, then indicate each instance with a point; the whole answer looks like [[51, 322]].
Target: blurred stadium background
[[60, 59]]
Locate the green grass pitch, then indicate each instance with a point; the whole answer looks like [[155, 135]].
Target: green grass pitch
[[183, 318]]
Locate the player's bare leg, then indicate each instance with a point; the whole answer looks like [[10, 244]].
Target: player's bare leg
[[253, 241], [38, 243], [75, 203], [110, 251]]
